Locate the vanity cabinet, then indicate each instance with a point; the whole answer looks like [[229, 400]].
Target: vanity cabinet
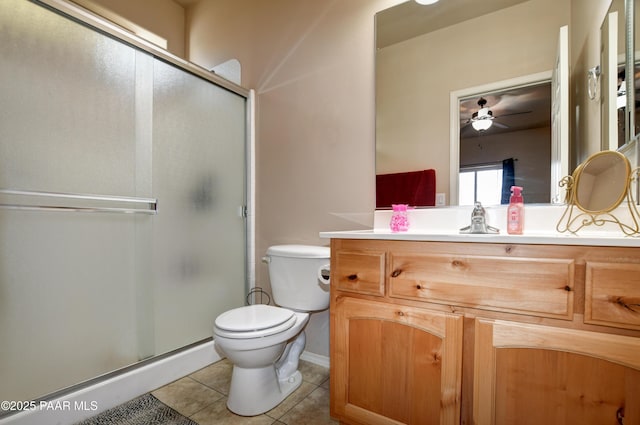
[[484, 333]]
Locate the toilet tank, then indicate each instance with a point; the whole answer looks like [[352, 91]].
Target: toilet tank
[[293, 272]]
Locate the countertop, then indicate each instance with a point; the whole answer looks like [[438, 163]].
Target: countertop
[[541, 227], [539, 239]]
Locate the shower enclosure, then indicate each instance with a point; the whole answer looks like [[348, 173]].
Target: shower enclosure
[[123, 186]]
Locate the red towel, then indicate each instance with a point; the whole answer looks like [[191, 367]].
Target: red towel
[[415, 188]]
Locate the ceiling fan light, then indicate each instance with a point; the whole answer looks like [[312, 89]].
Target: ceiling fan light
[[426, 2], [481, 125], [484, 112]]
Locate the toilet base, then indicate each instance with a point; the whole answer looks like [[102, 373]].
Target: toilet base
[[258, 390]]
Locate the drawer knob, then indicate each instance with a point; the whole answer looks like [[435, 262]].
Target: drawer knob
[[352, 277], [396, 273]]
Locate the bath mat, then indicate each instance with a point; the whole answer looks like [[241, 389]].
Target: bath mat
[[144, 410]]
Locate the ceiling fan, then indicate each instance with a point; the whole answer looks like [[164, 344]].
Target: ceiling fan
[[483, 118]]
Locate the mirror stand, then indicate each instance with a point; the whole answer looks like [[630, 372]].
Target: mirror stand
[[576, 217]]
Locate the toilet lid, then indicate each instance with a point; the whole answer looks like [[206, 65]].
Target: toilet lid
[[254, 321]]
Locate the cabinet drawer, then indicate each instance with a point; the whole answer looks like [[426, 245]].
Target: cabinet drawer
[[359, 271], [538, 286], [612, 294]]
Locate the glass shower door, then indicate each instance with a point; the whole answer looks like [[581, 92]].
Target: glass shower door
[[86, 293], [199, 179], [67, 125]]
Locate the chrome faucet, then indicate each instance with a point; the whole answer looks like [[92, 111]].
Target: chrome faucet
[[479, 222]]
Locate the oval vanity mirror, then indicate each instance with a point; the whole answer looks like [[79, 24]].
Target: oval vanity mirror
[[601, 182], [600, 196]]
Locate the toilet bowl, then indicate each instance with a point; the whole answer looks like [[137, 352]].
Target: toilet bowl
[[253, 338], [264, 342]]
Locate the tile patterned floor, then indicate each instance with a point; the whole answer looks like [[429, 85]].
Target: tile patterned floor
[[202, 397]]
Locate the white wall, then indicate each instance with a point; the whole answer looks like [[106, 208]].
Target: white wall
[[163, 18], [312, 66]]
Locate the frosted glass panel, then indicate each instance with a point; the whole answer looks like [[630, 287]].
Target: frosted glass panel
[[71, 122], [199, 174], [67, 304]]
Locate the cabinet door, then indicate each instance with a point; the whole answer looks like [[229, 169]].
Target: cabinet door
[[531, 374], [393, 364]]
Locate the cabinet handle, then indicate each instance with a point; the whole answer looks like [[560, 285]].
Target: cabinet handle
[[620, 415], [352, 277], [396, 273]]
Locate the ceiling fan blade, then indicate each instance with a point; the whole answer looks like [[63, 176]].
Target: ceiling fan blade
[[497, 124], [466, 131], [513, 113]]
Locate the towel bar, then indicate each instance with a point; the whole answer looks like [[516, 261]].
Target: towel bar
[[150, 208]]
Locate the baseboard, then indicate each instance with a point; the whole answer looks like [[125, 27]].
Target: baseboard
[[104, 395], [315, 359]]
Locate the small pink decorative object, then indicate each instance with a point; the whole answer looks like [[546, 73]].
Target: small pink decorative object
[[399, 218]]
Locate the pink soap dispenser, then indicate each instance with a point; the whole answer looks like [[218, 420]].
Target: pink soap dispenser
[[515, 212], [399, 218]]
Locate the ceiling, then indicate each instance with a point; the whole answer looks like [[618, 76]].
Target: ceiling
[[410, 19], [518, 109]]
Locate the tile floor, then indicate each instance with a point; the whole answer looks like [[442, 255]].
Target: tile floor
[[202, 397]]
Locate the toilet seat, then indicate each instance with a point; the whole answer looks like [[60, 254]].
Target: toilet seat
[[254, 321]]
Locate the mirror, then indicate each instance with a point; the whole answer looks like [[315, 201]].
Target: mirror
[[601, 182], [425, 53], [619, 83], [609, 78], [516, 146], [596, 189], [632, 13]]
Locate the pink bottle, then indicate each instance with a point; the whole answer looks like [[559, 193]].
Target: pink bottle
[[399, 218], [515, 212]]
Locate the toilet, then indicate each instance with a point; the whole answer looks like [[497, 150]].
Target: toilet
[[264, 342]]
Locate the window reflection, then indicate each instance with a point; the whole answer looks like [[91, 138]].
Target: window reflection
[[480, 184]]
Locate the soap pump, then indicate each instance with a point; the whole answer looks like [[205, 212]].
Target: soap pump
[[515, 212]]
